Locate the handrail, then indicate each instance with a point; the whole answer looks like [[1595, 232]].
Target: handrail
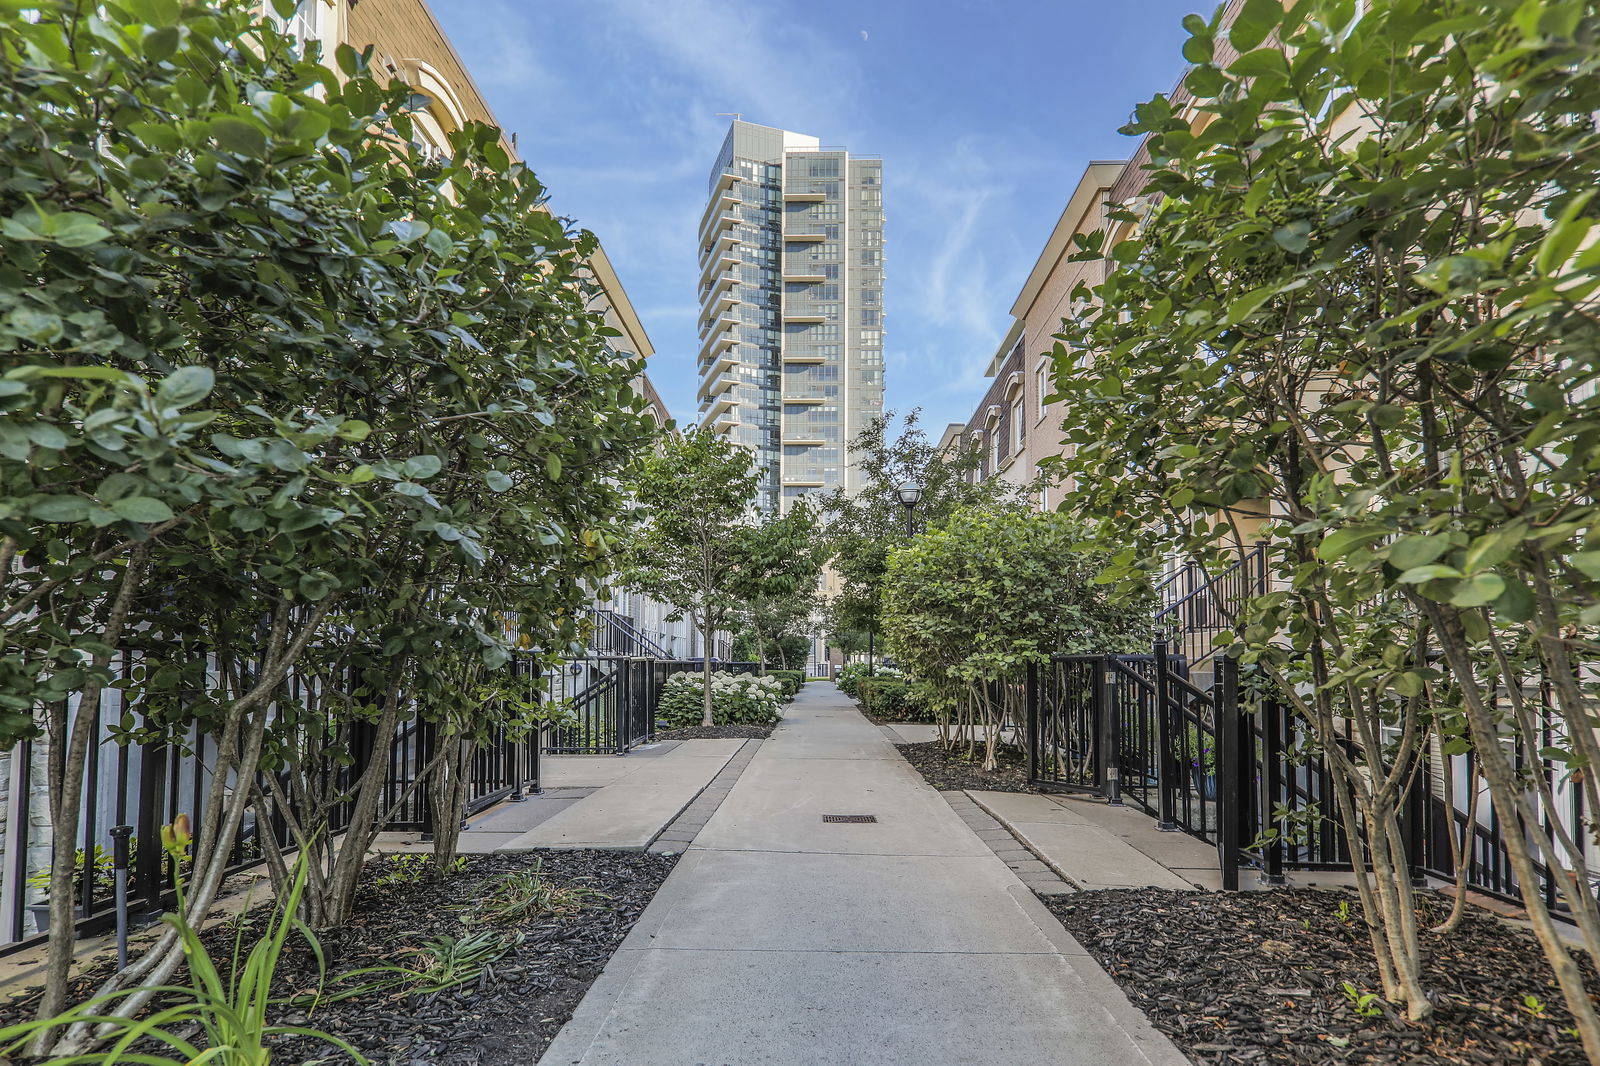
[[1256, 552]]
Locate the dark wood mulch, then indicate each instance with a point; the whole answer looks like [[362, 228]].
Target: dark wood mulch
[[717, 732], [509, 1014], [1258, 977], [952, 770]]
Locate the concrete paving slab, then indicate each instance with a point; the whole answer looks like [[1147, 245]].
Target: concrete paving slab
[[584, 771], [784, 1008], [1093, 858], [484, 843], [762, 901], [778, 939], [1026, 807], [634, 808], [779, 803]]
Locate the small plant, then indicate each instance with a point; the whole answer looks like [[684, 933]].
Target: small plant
[[524, 894], [1344, 912], [230, 1014], [437, 965], [1534, 1006], [1363, 1003], [412, 869]]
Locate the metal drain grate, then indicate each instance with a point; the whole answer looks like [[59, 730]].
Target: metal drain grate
[[853, 819]]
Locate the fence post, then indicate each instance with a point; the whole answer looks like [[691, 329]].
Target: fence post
[[1413, 822], [1272, 713], [1107, 730], [1166, 820], [621, 720], [1230, 771], [1031, 701]]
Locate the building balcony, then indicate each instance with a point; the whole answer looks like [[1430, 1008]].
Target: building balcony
[[810, 399], [804, 317], [802, 439], [802, 196], [811, 238], [803, 483], [711, 386], [722, 244], [725, 425], [720, 406], [803, 278], [716, 341], [804, 357], [719, 204], [716, 265]]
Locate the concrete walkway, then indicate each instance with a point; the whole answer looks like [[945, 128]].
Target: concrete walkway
[[784, 939], [1094, 845]]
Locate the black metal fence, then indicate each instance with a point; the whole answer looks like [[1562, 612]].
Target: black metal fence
[[145, 786], [607, 704], [1242, 772]]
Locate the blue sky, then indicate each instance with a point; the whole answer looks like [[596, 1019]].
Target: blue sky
[[985, 114]]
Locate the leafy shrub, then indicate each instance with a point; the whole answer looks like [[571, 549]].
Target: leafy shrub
[[851, 674], [736, 699], [791, 680], [890, 698]]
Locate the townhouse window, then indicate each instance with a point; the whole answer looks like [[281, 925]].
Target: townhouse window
[[1041, 378], [1018, 425]]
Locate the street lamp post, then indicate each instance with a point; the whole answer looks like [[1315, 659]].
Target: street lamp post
[[910, 493]]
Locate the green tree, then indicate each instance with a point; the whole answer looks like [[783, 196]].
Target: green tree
[[780, 559], [974, 600], [283, 390], [865, 526], [694, 501], [1363, 305]]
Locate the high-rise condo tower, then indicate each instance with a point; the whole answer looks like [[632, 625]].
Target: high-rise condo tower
[[791, 306]]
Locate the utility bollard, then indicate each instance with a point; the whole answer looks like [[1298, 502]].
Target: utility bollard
[[121, 836]]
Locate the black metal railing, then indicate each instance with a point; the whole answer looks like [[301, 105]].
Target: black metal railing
[[146, 786], [1244, 772], [1195, 605]]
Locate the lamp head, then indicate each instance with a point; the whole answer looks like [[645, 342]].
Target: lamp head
[[910, 493]]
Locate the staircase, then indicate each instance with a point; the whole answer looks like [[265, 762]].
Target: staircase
[[1196, 606]]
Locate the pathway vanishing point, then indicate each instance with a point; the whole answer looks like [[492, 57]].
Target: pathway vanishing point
[[784, 939]]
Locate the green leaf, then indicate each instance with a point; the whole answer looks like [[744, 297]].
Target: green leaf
[[552, 467], [141, 509], [1255, 21], [76, 230], [59, 509], [1516, 603], [185, 386], [1295, 237], [1342, 542], [1478, 590], [422, 467], [497, 480], [1413, 551], [236, 135], [1588, 563], [1565, 235], [1418, 574], [1199, 48]]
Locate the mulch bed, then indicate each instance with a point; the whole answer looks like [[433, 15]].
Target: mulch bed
[[952, 770], [1258, 977], [514, 1009], [717, 732]]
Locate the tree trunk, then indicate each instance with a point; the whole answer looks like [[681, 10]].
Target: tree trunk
[[69, 753], [447, 796]]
